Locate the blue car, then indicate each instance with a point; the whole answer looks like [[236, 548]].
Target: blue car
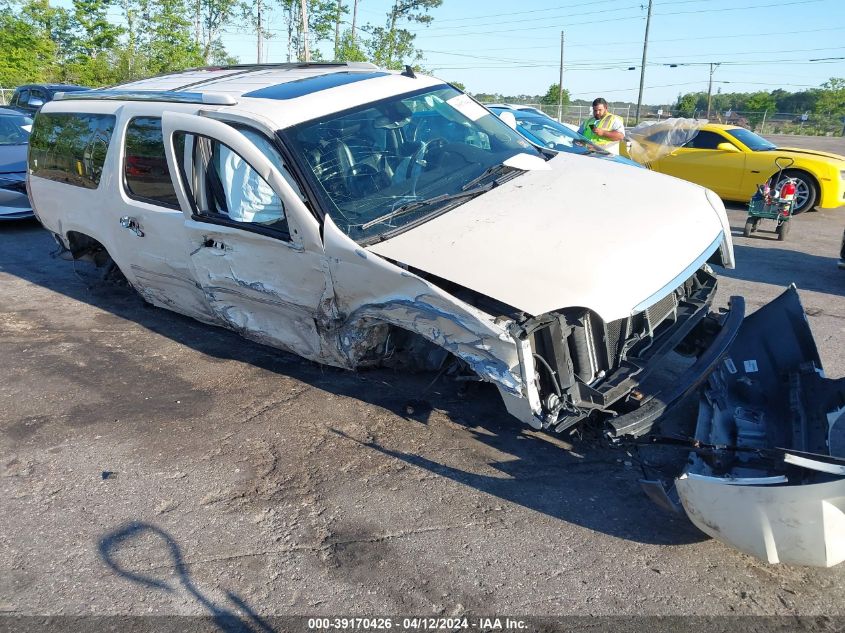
[[544, 131]]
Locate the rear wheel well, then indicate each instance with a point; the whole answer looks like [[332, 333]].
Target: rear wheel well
[[85, 248]]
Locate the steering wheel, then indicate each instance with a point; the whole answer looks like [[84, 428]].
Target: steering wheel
[[420, 159], [363, 180]]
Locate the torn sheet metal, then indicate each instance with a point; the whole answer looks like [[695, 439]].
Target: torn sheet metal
[[771, 481], [400, 298]]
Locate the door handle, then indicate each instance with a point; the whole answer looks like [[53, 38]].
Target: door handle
[[212, 243], [132, 224]]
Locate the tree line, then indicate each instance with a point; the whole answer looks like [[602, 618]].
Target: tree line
[[827, 101], [105, 42]]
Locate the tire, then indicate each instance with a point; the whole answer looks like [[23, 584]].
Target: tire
[[783, 231], [749, 227], [806, 190]]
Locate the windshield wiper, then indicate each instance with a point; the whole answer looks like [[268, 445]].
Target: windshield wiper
[[416, 204], [501, 169]]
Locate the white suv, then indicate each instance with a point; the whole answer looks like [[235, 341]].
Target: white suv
[[352, 215]]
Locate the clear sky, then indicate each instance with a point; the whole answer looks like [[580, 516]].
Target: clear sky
[[513, 47]]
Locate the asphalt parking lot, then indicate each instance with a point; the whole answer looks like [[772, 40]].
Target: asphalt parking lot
[[155, 465]]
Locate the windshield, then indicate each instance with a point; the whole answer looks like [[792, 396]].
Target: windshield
[[14, 129], [371, 164], [751, 140], [552, 134]]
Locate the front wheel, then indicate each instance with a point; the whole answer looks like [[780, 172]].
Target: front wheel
[[806, 190], [749, 227], [782, 231]]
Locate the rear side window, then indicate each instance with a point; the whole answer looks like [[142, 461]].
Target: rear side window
[[70, 147], [145, 170]]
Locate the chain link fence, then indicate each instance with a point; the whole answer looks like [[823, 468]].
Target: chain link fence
[[6, 95]]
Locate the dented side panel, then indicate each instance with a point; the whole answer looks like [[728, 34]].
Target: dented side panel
[[371, 291], [261, 287], [273, 290]]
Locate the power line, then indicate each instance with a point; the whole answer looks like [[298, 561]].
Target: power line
[[553, 17], [620, 19], [677, 39], [509, 13], [757, 62], [626, 61]]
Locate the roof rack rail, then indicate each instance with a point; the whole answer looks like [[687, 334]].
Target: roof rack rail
[[252, 67], [206, 98], [244, 69]]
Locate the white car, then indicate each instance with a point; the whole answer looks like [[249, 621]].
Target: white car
[[357, 216], [350, 214], [526, 108]]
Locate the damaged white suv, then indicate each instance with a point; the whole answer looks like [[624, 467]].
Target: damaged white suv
[[352, 215]]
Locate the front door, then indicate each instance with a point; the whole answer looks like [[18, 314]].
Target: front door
[[253, 245], [700, 161]]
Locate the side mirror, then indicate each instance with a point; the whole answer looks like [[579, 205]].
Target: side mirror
[[727, 147], [35, 102]]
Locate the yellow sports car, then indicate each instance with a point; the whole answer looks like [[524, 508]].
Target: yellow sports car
[[732, 161]]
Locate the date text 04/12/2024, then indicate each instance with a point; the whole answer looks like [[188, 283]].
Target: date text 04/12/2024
[[415, 624]]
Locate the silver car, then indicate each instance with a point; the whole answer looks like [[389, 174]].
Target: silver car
[[14, 138]]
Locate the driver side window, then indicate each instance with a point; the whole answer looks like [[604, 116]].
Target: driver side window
[[706, 140], [226, 189]]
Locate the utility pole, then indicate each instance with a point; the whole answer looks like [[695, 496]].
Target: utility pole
[[260, 31], [713, 66], [560, 84], [306, 52], [642, 68], [354, 19]]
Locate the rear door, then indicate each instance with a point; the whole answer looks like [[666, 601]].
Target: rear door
[[148, 218], [254, 246]]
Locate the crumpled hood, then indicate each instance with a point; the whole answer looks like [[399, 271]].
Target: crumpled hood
[[810, 152], [587, 233], [12, 158]]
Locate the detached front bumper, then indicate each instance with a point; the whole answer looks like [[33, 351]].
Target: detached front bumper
[[766, 474]]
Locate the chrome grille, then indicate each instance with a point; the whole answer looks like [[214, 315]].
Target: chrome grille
[[657, 313]]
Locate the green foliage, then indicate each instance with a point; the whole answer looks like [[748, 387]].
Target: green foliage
[[459, 85], [552, 96], [322, 17], [760, 104], [167, 43], [687, 104], [391, 45], [349, 50], [831, 100], [211, 16], [26, 53]]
